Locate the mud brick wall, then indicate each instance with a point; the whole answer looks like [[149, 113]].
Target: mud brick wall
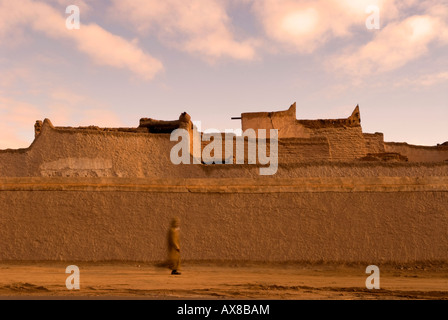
[[94, 195], [89, 153], [419, 153], [293, 150], [290, 150], [372, 220], [346, 143], [71, 153], [374, 142]]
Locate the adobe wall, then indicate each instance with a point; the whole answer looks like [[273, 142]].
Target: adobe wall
[[90, 153], [137, 155], [374, 142], [290, 150], [346, 143], [419, 153], [67, 153], [372, 220], [345, 136], [113, 201], [284, 121], [294, 150]]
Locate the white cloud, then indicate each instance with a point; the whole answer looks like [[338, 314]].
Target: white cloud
[[111, 50], [426, 80], [68, 108], [198, 27], [393, 47], [17, 125], [305, 25], [83, 5], [63, 107], [102, 46]]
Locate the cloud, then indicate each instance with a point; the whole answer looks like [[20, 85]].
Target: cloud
[[393, 47], [13, 76], [62, 106], [67, 96], [304, 26], [197, 27], [426, 80], [18, 118], [67, 108], [103, 47], [101, 118], [108, 49], [83, 5]]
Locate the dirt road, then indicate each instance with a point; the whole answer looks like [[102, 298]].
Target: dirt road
[[221, 281]]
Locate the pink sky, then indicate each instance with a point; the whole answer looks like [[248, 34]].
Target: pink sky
[[218, 58]]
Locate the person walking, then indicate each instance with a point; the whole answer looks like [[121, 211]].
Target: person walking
[[174, 247]]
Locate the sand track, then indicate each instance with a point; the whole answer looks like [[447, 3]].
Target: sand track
[[221, 281]]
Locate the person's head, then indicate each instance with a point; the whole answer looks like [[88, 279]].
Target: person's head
[[175, 223]]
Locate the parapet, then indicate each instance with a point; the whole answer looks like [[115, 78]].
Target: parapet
[[147, 125], [353, 121], [336, 140], [161, 126]]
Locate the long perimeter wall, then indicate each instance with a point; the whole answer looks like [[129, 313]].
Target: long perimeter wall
[[341, 219]]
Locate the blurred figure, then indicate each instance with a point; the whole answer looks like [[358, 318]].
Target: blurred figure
[[174, 246]]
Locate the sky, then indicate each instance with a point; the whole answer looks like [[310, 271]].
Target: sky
[[216, 59]]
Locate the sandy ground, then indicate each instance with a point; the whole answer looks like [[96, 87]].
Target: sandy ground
[[221, 281]]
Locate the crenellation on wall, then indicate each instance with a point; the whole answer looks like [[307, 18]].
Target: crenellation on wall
[[345, 137], [148, 144], [71, 152]]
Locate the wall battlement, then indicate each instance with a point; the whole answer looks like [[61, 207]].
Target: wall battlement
[[299, 140]]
